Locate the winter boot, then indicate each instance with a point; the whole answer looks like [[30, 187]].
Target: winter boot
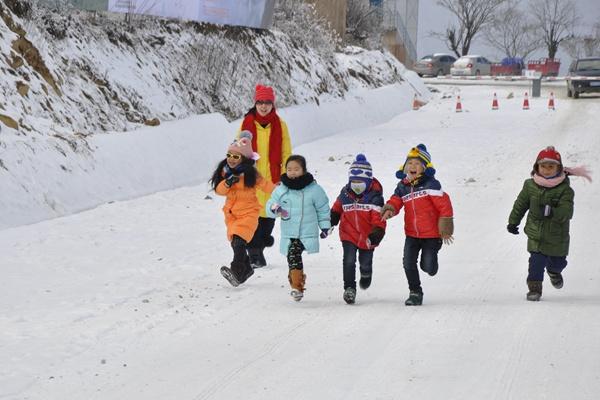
[[414, 299], [261, 258], [255, 257], [365, 281], [556, 279], [297, 280], [535, 290], [230, 276], [241, 271], [350, 295]]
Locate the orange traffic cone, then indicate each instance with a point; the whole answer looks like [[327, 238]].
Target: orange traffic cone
[[416, 103], [526, 102], [458, 104], [551, 102], [495, 103]]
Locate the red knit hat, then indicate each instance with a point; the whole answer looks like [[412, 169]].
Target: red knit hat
[[549, 154], [264, 93]]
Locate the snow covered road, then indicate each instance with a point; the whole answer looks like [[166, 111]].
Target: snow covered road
[[125, 301]]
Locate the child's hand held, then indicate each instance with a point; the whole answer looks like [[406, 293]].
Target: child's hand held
[[279, 211], [325, 232], [387, 212]]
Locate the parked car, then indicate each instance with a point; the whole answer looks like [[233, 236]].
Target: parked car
[[434, 64], [471, 65], [579, 70]]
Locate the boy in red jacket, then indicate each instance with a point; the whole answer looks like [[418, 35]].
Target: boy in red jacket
[[357, 210], [427, 218]]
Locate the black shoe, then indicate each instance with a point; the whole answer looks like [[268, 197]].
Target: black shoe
[[228, 274], [261, 258], [240, 270], [350, 295], [556, 279], [256, 258], [535, 290], [534, 296], [414, 299], [365, 282]]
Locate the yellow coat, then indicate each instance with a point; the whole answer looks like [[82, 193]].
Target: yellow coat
[[242, 207], [263, 165]]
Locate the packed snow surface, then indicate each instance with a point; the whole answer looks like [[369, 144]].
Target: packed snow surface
[[125, 301]]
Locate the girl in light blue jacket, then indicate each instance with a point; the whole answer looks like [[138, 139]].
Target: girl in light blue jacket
[[304, 210]]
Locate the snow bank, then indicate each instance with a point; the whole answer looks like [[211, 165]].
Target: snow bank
[[58, 176]]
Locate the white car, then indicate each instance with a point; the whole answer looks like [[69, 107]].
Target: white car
[[471, 65]]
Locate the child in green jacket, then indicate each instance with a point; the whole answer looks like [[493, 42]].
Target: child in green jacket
[[548, 197]]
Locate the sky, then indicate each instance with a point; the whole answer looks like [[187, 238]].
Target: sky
[[433, 17]]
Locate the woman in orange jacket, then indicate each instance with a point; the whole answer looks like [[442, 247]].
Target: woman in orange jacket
[[237, 178]]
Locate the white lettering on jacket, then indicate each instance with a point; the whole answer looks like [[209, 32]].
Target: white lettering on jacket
[[360, 207], [422, 193]]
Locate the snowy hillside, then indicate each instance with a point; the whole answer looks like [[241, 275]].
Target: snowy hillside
[[66, 80], [84, 73], [126, 302]]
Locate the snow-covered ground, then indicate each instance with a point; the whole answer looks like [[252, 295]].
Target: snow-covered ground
[[125, 301]]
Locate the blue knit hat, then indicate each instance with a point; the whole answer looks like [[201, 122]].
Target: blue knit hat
[[361, 170], [420, 153]]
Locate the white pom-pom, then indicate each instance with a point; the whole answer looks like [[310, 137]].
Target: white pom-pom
[[245, 134]]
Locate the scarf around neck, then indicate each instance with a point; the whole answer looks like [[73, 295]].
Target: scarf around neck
[[275, 138], [299, 183], [549, 182]]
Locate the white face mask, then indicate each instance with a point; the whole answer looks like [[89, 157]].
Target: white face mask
[[358, 187]]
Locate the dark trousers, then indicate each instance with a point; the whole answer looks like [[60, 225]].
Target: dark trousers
[[429, 260], [538, 262], [294, 255], [239, 249], [240, 266], [262, 236], [365, 262]]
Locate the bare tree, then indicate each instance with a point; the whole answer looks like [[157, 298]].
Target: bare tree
[[586, 45], [511, 32], [301, 22], [473, 16], [555, 21], [364, 22]]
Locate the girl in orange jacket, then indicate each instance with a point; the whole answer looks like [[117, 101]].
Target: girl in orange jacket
[[236, 178]]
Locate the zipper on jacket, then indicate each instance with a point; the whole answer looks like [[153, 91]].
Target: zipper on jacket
[[412, 189], [356, 221], [301, 213]]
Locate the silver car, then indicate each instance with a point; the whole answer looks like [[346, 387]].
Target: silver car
[[434, 65], [471, 65]]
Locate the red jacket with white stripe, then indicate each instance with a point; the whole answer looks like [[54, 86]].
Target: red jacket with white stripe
[[359, 214], [424, 203]]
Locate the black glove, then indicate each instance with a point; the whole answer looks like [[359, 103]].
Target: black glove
[[512, 228], [325, 232], [376, 235], [229, 181], [335, 218], [547, 211]]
